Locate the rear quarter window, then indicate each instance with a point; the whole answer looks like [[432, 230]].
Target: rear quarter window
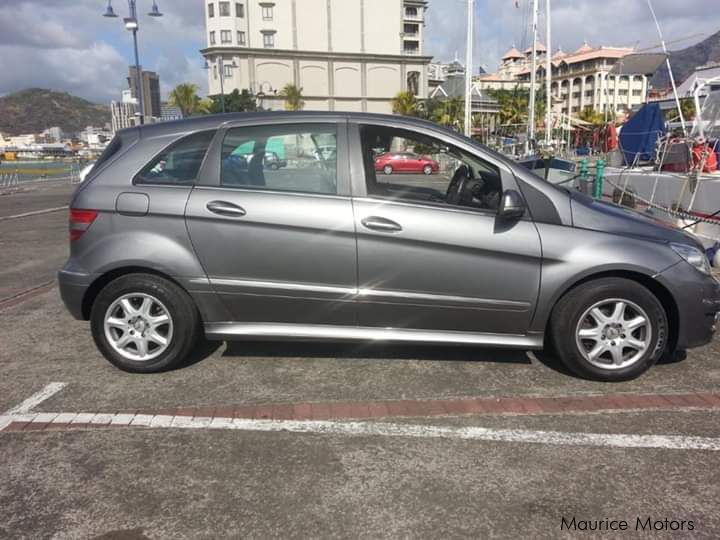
[[179, 163]]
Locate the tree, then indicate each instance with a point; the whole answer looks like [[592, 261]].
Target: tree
[[235, 101], [591, 116], [405, 104], [184, 96], [293, 97], [451, 113]]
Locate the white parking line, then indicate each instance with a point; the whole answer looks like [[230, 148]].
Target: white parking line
[[34, 213], [37, 398], [384, 429]]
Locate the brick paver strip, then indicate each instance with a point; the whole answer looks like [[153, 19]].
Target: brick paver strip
[[370, 409]]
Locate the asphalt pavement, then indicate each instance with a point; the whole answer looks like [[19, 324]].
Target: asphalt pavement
[[645, 449]]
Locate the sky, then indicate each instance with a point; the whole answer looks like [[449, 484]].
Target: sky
[[67, 45]]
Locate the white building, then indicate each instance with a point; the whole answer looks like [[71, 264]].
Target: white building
[[350, 55]]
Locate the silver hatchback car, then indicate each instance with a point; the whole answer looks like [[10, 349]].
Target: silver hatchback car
[[181, 231]]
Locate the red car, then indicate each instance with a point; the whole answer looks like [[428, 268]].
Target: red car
[[406, 162]]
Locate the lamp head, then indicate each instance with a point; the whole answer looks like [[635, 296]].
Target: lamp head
[[109, 12], [155, 10]]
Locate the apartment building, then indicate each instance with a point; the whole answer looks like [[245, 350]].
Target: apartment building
[[345, 55]]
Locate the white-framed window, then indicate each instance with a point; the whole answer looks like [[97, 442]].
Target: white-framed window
[[239, 10], [268, 40], [224, 9], [212, 37], [241, 38], [215, 72], [225, 36], [211, 11], [227, 69], [267, 12]]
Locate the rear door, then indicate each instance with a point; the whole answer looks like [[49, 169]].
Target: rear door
[[278, 245], [429, 262]]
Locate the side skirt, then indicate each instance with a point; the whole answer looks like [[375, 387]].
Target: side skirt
[[280, 331]]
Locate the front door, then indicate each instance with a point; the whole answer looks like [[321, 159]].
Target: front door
[[431, 252], [278, 243]]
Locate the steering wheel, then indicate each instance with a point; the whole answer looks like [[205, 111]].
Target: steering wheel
[[457, 184]]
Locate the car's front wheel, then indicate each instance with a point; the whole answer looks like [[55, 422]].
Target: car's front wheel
[[387, 169], [610, 329], [144, 324], [427, 169]]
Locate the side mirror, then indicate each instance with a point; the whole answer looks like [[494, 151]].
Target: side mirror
[[512, 205]]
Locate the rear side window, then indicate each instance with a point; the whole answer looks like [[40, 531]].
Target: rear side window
[[300, 158], [179, 164]]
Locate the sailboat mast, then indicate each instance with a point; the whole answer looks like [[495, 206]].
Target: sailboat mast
[[548, 76], [469, 67], [533, 75]]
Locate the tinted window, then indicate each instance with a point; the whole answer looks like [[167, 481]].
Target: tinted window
[[409, 166], [178, 164], [298, 158]]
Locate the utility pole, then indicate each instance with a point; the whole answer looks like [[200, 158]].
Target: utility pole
[[548, 76], [468, 67], [533, 78]]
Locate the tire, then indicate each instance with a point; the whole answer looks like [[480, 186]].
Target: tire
[[274, 166], [387, 169], [610, 348], [139, 302], [427, 170]]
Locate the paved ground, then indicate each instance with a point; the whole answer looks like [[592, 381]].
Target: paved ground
[[480, 471]]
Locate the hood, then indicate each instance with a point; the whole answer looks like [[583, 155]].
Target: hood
[[587, 213]]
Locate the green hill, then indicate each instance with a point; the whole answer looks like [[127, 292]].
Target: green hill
[[36, 109]]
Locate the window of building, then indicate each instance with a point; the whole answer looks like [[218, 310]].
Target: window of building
[[239, 10], [267, 11], [224, 9], [212, 37], [225, 36], [215, 72], [211, 11], [296, 158], [410, 29], [622, 92], [411, 12], [637, 93], [179, 164], [406, 166], [241, 37], [268, 40], [228, 70], [413, 82]]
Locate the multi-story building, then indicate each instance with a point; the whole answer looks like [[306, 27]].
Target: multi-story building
[[582, 79], [345, 55], [124, 112], [152, 106]]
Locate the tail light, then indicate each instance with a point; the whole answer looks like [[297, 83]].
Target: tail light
[[80, 221]]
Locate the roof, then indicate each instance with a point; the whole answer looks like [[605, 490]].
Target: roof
[[454, 87], [512, 53], [584, 48], [540, 48], [703, 72], [645, 64]]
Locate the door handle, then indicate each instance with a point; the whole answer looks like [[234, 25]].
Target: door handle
[[381, 224], [226, 209]]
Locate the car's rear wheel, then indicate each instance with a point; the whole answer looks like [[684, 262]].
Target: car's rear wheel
[[274, 166], [610, 329], [427, 169], [143, 323], [387, 169]]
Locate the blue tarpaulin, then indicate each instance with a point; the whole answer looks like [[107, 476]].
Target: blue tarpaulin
[[639, 136]]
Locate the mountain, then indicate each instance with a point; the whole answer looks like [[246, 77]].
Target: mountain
[[36, 109], [685, 61]]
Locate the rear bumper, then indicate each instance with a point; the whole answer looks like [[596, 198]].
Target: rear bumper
[[73, 286], [698, 301]]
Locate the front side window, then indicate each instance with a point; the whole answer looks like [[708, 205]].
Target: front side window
[[211, 10], [239, 10], [407, 166], [269, 40], [224, 9], [225, 36], [179, 164], [295, 158]]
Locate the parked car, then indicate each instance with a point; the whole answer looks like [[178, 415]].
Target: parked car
[[168, 243], [271, 160], [405, 162]]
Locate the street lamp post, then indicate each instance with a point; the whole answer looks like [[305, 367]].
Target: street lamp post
[[221, 67], [131, 24]]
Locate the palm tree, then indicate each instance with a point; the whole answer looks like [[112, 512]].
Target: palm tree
[[293, 97], [405, 104], [591, 116], [451, 114], [184, 97]]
